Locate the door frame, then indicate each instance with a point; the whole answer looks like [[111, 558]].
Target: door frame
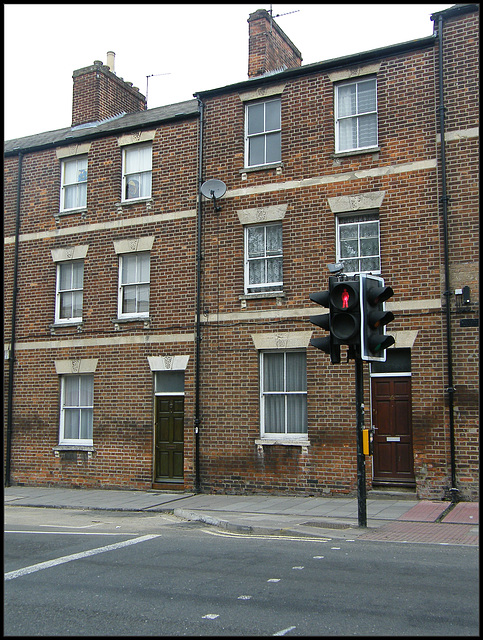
[[392, 374]]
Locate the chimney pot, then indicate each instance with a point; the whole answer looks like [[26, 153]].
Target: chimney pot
[[110, 60]]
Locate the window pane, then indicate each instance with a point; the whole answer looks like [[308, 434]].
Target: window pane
[[368, 131], [349, 249], [71, 424], [86, 424], [77, 304], [348, 231], [370, 264], [369, 247], [256, 150], [143, 298], [347, 134], [275, 414], [346, 100], [297, 414], [366, 96], [71, 391], [274, 269], [351, 266], [273, 372], [273, 147], [145, 188], [65, 276], [255, 118], [128, 271], [77, 275], [70, 172], [129, 299], [256, 272], [143, 267], [86, 391], [256, 241], [81, 195], [369, 230], [272, 115], [169, 381], [274, 239], [296, 372]]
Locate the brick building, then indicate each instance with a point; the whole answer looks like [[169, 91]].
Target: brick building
[[162, 339]]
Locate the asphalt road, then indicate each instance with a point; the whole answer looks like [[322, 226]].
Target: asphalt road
[[107, 573]]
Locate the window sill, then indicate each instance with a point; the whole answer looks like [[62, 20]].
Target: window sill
[[145, 319], [82, 211], [261, 294], [60, 325], [73, 448], [125, 203], [355, 152], [288, 442], [262, 167]]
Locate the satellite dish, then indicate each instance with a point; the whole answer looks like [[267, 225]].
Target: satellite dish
[[213, 189]]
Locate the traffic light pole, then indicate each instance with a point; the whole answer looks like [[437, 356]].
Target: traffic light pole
[[361, 464]]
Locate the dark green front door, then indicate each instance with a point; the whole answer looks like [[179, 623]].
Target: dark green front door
[[169, 439]]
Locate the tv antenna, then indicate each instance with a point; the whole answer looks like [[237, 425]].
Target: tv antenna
[[213, 189], [152, 75], [279, 15]]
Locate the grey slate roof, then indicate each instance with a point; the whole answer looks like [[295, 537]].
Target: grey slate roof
[[126, 122]]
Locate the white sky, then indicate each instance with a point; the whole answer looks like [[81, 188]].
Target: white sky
[[200, 46]]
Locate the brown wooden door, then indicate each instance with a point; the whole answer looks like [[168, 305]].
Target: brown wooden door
[[391, 417], [169, 439]]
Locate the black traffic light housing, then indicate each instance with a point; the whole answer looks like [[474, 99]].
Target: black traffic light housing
[[374, 318], [325, 344], [345, 310]]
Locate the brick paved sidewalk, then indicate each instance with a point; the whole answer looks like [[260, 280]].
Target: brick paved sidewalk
[[432, 522]]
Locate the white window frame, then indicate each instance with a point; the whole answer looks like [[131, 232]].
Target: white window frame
[[264, 133], [60, 292], [355, 116], [82, 409], [135, 283], [139, 175], [81, 181], [359, 219], [286, 435], [263, 286]]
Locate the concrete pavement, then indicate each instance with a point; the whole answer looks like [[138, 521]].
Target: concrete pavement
[[393, 518]]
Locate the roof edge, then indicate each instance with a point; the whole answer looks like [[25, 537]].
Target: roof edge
[[325, 65]]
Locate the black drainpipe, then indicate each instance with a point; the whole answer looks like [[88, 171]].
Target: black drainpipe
[[11, 363], [198, 303], [444, 201]]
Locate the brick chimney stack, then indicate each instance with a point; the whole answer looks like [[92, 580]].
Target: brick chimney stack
[[99, 94], [269, 49]]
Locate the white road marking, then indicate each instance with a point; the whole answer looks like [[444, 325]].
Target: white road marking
[[274, 580], [284, 631], [244, 597], [318, 557], [211, 616], [75, 556], [298, 567], [70, 533], [69, 526]]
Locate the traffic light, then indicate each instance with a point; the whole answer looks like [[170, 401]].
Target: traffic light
[[368, 442], [324, 344], [374, 318], [345, 310]]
